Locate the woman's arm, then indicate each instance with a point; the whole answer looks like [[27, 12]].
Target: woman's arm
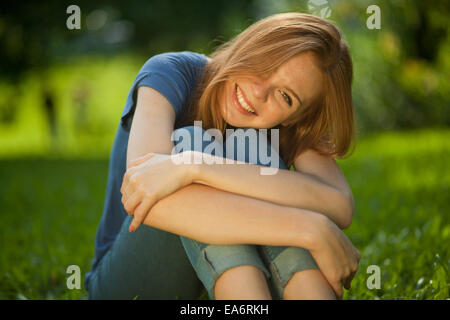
[[317, 185], [213, 216], [217, 217], [152, 125]]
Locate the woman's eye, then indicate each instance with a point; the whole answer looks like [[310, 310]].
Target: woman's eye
[[286, 97]]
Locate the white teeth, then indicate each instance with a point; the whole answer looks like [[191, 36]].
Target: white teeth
[[242, 101]]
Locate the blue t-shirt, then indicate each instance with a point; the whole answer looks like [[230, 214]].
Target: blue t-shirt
[[174, 75]]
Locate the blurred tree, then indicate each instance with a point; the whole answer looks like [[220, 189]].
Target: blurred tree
[[33, 35], [402, 70]]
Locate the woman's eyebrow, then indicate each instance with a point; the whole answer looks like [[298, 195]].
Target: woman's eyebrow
[[295, 95]]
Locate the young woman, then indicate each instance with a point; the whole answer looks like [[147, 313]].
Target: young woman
[[241, 234]]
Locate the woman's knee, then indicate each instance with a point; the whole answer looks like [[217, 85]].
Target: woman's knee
[[253, 146], [195, 138], [285, 262], [242, 282], [211, 262], [308, 285]]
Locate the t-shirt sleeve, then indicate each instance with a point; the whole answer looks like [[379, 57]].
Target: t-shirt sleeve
[[173, 74]]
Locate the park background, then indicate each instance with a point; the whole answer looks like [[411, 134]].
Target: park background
[[62, 92]]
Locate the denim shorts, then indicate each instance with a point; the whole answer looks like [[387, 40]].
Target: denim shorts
[[278, 264], [154, 264]]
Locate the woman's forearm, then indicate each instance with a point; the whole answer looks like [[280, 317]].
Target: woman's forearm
[[285, 187], [213, 216]]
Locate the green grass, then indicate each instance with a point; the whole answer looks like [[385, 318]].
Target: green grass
[[51, 208], [401, 222]]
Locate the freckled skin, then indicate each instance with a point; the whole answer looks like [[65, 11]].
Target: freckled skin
[[301, 74]]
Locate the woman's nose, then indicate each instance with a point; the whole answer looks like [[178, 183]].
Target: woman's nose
[[260, 89]]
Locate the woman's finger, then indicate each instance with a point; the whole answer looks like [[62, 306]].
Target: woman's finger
[[140, 216], [348, 282], [131, 203], [337, 288], [129, 187], [141, 208], [125, 191], [126, 179], [358, 255]]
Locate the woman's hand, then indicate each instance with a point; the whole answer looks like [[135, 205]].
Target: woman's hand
[[149, 179], [335, 255]]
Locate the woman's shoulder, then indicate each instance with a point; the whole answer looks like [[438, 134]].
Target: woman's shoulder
[[173, 74], [181, 60]]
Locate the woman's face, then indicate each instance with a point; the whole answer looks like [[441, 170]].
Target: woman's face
[[249, 102]]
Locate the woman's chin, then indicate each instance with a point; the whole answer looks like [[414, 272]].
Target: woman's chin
[[236, 120], [239, 123]]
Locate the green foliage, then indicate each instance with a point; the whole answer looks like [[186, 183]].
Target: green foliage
[[51, 209], [89, 94], [401, 220], [401, 70], [48, 222]]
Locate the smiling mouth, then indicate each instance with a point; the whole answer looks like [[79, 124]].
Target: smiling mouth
[[241, 103]]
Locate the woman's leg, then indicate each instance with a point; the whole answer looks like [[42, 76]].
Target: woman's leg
[[245, 282], [235, 272], [227, 271], [242, 283], [308, 285], [231, 272], [148, 264], [295, 274]]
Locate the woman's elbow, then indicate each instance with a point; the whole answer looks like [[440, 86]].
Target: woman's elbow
[[347, 211]]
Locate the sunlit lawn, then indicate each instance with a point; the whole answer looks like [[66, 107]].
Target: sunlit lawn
[[51, 208]]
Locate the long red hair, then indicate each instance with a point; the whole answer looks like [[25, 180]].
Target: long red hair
[[327, 125]]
